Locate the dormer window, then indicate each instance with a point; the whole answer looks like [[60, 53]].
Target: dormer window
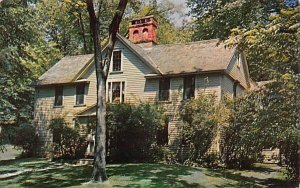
[[58, 98], [80, 94], [116, 61]]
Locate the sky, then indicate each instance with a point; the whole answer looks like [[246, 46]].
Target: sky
[[178, 18]]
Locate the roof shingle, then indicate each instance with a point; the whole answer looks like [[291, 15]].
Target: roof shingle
[[65, 70]]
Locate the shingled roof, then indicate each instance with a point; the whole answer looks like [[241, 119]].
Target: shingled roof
[[65, 70], [191, 57], [194, 57]]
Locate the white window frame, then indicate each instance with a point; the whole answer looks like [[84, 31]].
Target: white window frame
[[112, 61], [84, 95], [109, 93]]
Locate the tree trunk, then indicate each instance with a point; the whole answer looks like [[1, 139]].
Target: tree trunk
[[99, 171]]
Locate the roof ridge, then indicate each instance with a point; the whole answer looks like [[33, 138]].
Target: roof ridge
[[192, 42]]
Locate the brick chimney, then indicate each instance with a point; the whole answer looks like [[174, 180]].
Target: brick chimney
[[143, 30]]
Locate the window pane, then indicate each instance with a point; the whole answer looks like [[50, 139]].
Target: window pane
[[164, 89], [116, 92], [189, 87], [58, 96], [117, 61], [80, 94]]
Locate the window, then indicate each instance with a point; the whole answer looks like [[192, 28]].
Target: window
[[164, 89], [116, 92], [58, 101], [116, 61], [189, 87], [80, 94]]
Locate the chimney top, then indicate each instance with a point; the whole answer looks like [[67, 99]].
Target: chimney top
[[143, 30]]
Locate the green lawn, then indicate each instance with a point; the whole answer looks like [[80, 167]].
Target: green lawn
[[135, 175]]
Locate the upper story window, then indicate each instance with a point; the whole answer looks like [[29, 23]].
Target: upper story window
[[116, 61], [80, 94], [164, 89], [189, 87], [116, 92], [58, 100]]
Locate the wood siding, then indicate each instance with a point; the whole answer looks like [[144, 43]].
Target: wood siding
[[236, 69]]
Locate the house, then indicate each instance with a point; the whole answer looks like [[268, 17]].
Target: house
[[140, 70]]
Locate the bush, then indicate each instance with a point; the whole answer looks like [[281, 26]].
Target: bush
[[132, 132], [242, 144], [67, 142], [26, 138], [265, 118], [201, 120]]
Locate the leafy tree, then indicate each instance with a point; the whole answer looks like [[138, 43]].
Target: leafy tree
[[19, 41], [272, 50], [66, 25], [216, 18], [24, 55], [102, 63]]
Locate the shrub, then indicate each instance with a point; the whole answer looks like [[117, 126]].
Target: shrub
[[67, 142], [242, 144], [200, 119], [265, 118], [26, 138], [132, 131]]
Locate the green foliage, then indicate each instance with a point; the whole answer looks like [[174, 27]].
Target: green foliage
[[67, 142], [272, 50], [66, 25], [201, 120], [241, 137], [216, 18], [25, 137], [265, 118], [24, 55], [132, 131]]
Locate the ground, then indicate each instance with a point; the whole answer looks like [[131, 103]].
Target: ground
[[42, 173]]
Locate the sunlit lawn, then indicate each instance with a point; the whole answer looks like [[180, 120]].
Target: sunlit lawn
[[136, 175]]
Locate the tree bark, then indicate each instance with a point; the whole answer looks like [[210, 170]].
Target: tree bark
[[102, 68]]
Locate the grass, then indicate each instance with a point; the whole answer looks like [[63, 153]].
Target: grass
[[136, 175]]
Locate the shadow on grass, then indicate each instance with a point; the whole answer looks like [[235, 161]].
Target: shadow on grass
[[155, 175], [65, 177], [138, 175], [249, 181]]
